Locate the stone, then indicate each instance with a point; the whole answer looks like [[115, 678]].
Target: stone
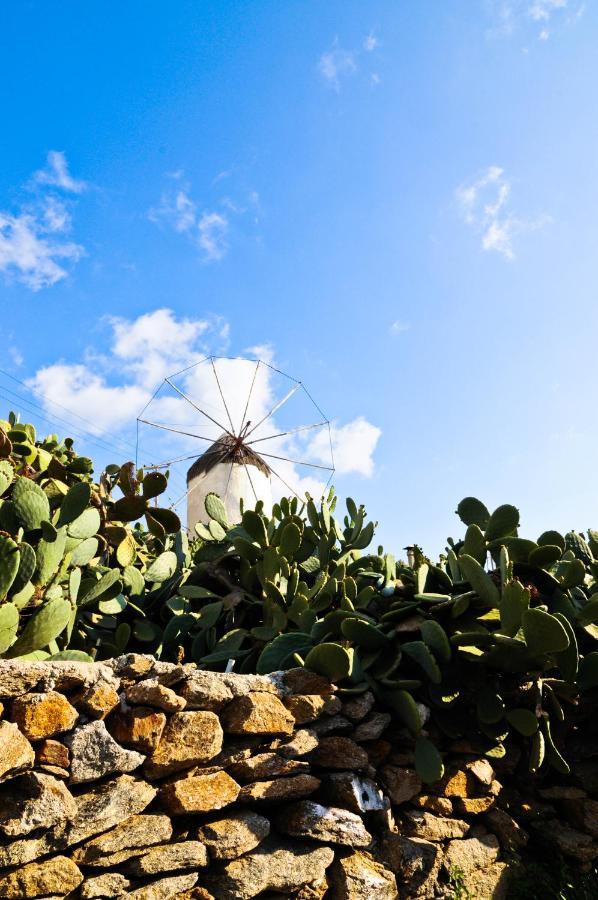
[[302, 681], [333, 753], [152, 693], [272, 866], [562, 792], [442, 806], [471, 853], [34, 800], [233, 835], [415, 862], [257, 713], [52, 753], [323, 823], [425, 825], [169, 858], [97, 700], [43, 715], [510, 834], [100, 808], [198, 893], [458, 783], [378, 752], [331, 725], [16, 753], [372, 728], [95, 753], [482, 771], [135, 832], [280, 789], [570, 842], [358, 707], [18, 677], [139, 727], [473, 806], [188, 739], [200, 793], [302, 742], [266, 765], [309, 707], [112, 884], [58, 875], [583, 814], [164, 889], [240, 685], [360, 877], [491, 883], [401, 785], [352, 792], [205, 690]]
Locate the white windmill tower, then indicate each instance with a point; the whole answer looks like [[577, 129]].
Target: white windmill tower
[[256, 459]]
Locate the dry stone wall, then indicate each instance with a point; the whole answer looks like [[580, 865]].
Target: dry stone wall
[[147, 780]]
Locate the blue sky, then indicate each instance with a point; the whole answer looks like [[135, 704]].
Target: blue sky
[[395, 201]]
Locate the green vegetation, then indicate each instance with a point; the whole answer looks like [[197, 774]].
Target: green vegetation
[[496, 643]]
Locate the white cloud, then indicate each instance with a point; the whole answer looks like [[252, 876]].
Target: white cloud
[[484, 205], [399, 327], [370, 42], [57, 174], [213, 228], [30, 255], [335, 64], [353, 446], [527, 16], [112, 388], [31, 250], [207, 228]]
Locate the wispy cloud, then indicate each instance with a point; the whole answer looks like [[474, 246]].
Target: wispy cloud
[[34, 248], [534, 18], [338, 63], [484, 203], [56, 174], [399, 327], [207, 227]]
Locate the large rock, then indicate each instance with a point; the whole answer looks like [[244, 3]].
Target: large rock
[[353, 792], [18, 677], [16, 753], [324, 823], [583, 814], [233, 835], [112, 884], [358, 707], [273, 866], [97, 700], [267, 765], [401, 785], [434, 828], [43, 715], [360, 877], [169, 858], [373, 727], [58, 876], [205, 690], [98, 809], [139, 728], [95, 753], [471, 853], [510, 834], [280, 789], [335, 752], [302, 742], [34, 800], [568, 840], [415, 862], [309, 707], [151, 693], [52, 753], [165, 888], [134, 833], [199, 793], [188, 739], [257, 713], [491, 883]]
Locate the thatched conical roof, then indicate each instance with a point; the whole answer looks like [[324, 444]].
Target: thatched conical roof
[[227, 449]]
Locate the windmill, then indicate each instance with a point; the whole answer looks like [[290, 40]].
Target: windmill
[[238, 427]]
